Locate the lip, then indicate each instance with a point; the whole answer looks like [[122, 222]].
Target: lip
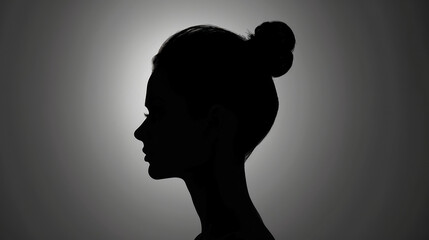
[[146, 154], [145, 151]]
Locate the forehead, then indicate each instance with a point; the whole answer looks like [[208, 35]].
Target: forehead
[[158, 90]]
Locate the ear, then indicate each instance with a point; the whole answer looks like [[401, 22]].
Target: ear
[[221, 123]]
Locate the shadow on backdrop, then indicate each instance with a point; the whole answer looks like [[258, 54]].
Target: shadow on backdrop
[[211, 100]]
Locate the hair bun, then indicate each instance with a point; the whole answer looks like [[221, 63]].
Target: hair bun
[[273, 43]]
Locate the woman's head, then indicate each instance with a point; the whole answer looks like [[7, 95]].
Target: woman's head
[[207, 66]]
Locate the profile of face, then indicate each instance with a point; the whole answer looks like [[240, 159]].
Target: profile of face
[[174, 142]]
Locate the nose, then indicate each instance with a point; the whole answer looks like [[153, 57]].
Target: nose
[[139, 132]]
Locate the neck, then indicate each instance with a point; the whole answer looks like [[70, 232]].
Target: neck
[[221, 198]]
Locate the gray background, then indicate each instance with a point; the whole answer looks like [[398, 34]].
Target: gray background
[[348, 156]]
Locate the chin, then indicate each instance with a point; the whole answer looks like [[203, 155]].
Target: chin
[[157, 174]]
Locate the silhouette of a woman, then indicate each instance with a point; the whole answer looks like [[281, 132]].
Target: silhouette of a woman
[[211, 100]]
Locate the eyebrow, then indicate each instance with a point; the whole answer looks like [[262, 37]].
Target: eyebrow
[[154, 61], [155, 101]]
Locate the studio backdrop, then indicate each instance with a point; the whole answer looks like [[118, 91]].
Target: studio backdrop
[[347, 157]]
